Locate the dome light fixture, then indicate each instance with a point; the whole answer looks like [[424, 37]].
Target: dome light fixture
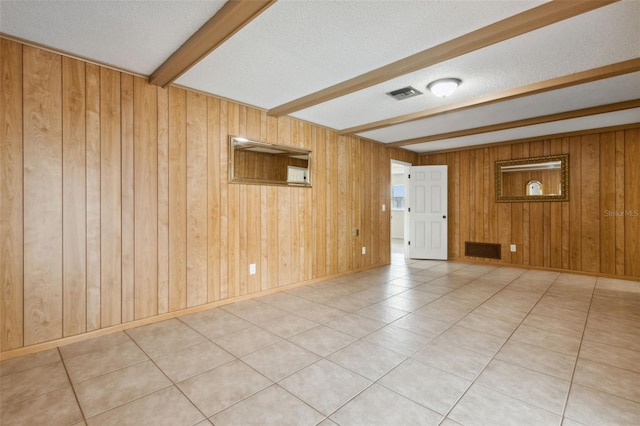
[[444, 87]]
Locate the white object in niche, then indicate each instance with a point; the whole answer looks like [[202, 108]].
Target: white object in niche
[[296, 174], [534, 187]]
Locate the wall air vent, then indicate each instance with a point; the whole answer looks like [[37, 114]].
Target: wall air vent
[[404, 93]]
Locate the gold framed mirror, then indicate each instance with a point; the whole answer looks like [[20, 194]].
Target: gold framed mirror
[[533, 179], [261, 163]]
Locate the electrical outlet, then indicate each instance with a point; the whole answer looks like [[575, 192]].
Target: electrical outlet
[[513, 248], [364, 250], [252, 269]]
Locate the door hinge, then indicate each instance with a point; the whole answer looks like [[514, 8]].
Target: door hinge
[[409, 176], [408, 243], [409, 210]]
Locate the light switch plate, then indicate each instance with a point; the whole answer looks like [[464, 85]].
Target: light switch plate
[[513, 248], [252, 269]]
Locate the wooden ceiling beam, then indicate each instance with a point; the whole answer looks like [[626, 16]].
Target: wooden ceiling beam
[[231, 17], [567, 115], [607, 71], [524, 22]]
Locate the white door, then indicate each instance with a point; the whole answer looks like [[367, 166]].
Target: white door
[[427, 211]]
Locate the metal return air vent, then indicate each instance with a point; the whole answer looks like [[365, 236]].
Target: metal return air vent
[[404, 93]]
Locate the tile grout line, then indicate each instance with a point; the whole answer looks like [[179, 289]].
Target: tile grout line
[[575, 366], [501, 346], [71, 384]]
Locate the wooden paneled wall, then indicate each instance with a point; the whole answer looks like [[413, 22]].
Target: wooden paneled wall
[[115, 205], [596, 231]]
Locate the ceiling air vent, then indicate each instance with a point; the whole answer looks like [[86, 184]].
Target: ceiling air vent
[[404, 93]]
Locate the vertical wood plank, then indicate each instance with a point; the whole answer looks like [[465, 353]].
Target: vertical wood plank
[[224, 201], [590, 203], [163, 200], [214, 208], [233, 221], [145, 133], [92, 104], [11, 197], [128, 226], [177, 200], [575, 204], [620, 196], [111, 198], [197, 284], [42, 195], [607, 181], [632, 202], [74, 239], [555, 230]]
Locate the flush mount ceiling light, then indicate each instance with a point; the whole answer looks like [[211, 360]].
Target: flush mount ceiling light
[[444, 87]]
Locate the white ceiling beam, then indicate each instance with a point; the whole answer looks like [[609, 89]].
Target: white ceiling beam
[[231, 17], [530, 20]]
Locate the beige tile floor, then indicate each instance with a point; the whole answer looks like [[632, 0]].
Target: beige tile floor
[[414, 343]]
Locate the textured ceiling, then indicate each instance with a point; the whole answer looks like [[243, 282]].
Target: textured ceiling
[[295, 48]]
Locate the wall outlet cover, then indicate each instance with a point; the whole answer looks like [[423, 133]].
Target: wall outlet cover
[[513, 248]]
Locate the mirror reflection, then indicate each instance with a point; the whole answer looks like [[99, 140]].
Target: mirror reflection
[[255, 162], [533, 179]]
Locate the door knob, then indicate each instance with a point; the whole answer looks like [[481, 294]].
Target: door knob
[[444, 217]]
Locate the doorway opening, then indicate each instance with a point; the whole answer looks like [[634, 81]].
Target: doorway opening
[[399, 219]]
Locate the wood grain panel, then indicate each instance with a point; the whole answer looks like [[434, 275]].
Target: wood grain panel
[[214, 170], [607, 202], [146, 199], [196, 199], [576, 235], [632, 202], [11, 196], [110, 198], [177, 200], [74, 239], [620, 198], [163, 201], [42, 121], [590, 199], [148, 140], [92, 105], [128, 208]]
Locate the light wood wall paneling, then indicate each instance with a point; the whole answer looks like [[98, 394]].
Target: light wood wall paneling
[[576, 235], [319, 212], [93, 162], [575, 211], [11, 197], [128, 207], [272, 221], [620, 198], [632, 202], [332, 197], [224, 201], [163, 200], [254, 212], [74, 239], [590, 199], [43, 195], [197, 284], [233, 213], [177, 200], [555, 243], [214, 169], [607, 202], [504, 210], [146, 199], [110, 198]]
